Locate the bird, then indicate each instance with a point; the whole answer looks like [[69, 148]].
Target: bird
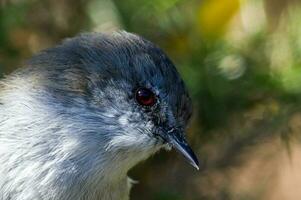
[[76, 117]]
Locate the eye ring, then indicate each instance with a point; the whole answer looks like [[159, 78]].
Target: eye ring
[[145, 97]]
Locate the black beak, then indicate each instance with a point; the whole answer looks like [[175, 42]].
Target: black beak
[[177, 140]]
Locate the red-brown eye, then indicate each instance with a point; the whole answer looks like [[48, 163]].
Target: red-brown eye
[[145, 97]]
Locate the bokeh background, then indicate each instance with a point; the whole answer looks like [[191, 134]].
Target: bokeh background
[[241, 60]]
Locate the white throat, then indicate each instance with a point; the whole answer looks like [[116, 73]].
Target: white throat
[[60, 159]]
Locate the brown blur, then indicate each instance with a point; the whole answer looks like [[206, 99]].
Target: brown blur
[[241, 60]]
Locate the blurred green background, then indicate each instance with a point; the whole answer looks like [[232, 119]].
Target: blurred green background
[[241, 60]]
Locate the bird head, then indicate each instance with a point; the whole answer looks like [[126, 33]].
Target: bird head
[[119, 94]]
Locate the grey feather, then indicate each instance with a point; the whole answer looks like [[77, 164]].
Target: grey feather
[[70, 127]]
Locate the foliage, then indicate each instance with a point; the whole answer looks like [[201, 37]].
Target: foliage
[[240, 60]]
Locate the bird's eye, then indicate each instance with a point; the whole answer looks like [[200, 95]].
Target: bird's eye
[[145, 97]]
